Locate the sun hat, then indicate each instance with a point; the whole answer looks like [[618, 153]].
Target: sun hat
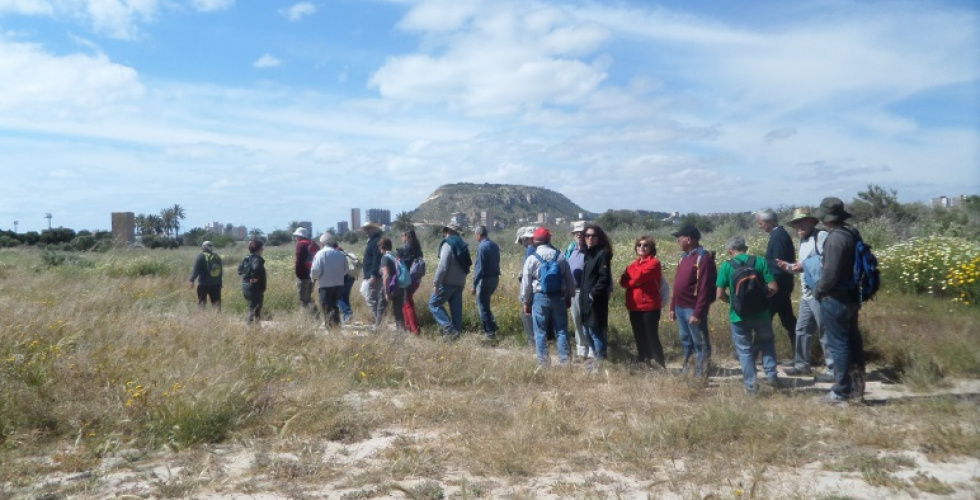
[[302, 232], [689, 231], [831, 209], [207, 245], [578, 226], [801, 213], [452, 226], [520, 234]]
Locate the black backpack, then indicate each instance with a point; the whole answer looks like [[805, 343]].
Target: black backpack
[[750, 293]]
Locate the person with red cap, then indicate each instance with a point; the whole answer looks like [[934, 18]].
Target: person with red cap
[[547, 288]]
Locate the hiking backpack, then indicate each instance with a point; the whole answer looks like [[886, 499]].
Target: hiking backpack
[[867, 276], [750, 292], [353, 264], [812, 264], [549, 275], [417, 271], [404, 275], [213, 264], [245, 268], [463, 257]]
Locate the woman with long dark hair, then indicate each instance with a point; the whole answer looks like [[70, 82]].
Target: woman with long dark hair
[[642, 280], [596, 288], [409, 252]]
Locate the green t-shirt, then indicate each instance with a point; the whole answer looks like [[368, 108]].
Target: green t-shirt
[[724, 280]]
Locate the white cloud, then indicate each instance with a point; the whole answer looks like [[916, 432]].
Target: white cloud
[[267, 61], [299, 11], [27, 7], [504, 59], [45, 84], [212, 5]]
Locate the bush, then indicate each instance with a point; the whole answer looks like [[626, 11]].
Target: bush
[[154, 241], [963, 281]]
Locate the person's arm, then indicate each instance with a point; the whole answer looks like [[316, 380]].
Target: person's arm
[[762, 266], [709, 275], [445, 254], [721, 283], [479, 266], [196, 271], [640, 273], [568, 280]]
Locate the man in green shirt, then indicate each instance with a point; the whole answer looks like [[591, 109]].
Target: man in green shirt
[[751, 329]]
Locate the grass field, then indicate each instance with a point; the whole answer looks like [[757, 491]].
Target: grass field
[[106, 363]]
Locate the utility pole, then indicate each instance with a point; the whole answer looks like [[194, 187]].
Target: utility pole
[[48, 216]]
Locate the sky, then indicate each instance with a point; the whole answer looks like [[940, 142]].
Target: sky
[[262, 112]]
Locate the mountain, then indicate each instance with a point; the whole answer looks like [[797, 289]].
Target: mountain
[[507, 203]]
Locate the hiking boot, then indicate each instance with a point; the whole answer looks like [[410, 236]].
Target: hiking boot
[[774, 382], [796, 372]]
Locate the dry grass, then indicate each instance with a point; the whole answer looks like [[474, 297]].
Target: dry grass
[[109, 357]]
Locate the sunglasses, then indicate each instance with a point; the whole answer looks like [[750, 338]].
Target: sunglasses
[[591, 235]]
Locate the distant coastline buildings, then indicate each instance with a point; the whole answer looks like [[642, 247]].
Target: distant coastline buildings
[[948, 202]]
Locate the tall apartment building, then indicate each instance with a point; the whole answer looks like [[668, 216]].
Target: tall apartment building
[[380, 216], [355, 218], [486, 218], [342, 228], [459, 218]]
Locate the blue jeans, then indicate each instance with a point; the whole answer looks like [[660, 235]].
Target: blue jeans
[[484, 291], [550, 310], [840, 322], [344, 301], [694, 339], [748, 347], [452, 294], [597, 341]]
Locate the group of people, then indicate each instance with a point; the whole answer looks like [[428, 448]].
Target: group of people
[[580, 279]]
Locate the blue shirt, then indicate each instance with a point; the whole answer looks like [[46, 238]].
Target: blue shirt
[[487, 261]]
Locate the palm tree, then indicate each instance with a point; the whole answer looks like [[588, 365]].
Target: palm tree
[[154, 224], [403, 222], [179, 215], [140, 221], [167, 220]]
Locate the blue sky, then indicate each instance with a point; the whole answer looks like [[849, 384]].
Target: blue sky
[[263, 112]]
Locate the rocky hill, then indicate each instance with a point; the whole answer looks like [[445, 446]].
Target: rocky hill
[[507, 203]]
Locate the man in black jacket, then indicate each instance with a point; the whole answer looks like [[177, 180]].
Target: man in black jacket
[[780, 247], [839, 302]]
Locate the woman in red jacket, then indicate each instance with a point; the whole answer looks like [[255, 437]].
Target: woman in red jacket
[[642, 280]]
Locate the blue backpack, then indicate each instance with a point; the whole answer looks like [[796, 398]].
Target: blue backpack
[[549, 275], [867, 276], [812, 264]]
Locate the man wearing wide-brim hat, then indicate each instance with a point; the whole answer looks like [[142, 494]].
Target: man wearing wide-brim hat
[[808, 267], [575, 255], [839, 302], [449, 281]]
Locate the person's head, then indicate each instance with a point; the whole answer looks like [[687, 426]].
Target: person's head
[[688, 238], [766, 219], [256, 246], [541, 236], [452, 229], [803, 222], [831, 212], [328, 240], [480, 232], [736, 245], [207, 246], [578, 232], [412, 239], [384, 244], [370, 228], [645, 247], [301, 233], [595, 237]]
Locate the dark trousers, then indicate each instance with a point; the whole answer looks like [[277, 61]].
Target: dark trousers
[[209, 291], [255, 299], [781, 305], [646, 332], [329, 297]]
